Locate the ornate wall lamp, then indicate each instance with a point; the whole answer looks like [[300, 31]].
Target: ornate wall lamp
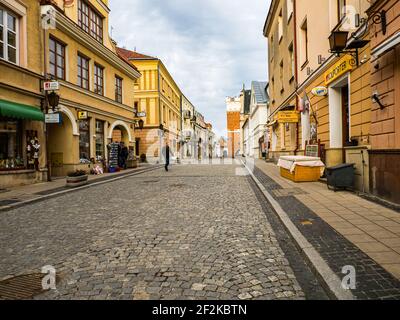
[[339, 40]]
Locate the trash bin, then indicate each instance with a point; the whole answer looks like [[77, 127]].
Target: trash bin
[[341, 176]]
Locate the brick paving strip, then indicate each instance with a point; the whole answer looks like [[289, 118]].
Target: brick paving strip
[[338, 229], [23, 195]]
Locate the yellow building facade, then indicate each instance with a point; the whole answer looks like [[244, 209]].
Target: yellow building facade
[[65, 43], [159, 97], [332, 97], [21, 121], [96, 88]]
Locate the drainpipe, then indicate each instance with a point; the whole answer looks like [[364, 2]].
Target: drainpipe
[[46, 128], [159, 111], [295, 70]]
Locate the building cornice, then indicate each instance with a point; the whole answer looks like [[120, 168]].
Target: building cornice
[[21, 90], [95, 95], [94, 110], [104, 6], [21, 69], [70, 28], [271, 11]]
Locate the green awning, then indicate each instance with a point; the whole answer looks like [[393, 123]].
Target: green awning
[[20, 111]]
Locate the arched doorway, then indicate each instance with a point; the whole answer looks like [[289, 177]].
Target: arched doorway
[[120, 134], [61, 146]]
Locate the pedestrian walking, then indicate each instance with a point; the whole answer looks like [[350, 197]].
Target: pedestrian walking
[[166, 156], [124, 155]]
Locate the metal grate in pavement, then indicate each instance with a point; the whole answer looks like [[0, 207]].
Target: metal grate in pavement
[[21, 287]]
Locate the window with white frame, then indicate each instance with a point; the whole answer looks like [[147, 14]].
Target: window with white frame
[[8, 36]]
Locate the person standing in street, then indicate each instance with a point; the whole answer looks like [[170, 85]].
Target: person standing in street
[[166, 155]]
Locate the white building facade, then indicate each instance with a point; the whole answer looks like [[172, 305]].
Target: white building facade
[[256, 124]]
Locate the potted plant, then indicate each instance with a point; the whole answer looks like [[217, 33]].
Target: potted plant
[[77, 178]]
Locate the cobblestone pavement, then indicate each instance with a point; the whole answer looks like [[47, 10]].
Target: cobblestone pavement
[[197, 232]]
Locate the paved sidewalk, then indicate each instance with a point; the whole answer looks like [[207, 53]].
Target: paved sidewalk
[[19, 194], [372, 228]]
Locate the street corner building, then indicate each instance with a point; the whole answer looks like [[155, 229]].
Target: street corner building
[[158, 98], [333, 88], [67, 43]]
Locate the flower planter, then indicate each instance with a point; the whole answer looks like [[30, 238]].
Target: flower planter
[[132, 164], [73, 182]]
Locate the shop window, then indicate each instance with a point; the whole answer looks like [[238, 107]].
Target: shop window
[[100, 150], [8, 36], [10, 144], [118, 89], [83, 72], [98, 79], [90, 21], [57, 59], [84, 140]]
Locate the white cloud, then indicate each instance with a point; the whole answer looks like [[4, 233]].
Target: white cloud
[[211, 47]]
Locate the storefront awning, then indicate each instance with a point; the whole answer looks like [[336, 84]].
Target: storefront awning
[[20, 111]]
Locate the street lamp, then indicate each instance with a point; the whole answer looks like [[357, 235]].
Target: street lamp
[[139, 124], [338, 41], [53, 99], [338, 45]]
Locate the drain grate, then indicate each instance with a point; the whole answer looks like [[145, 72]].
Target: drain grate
[[21, 287], [8, 202]]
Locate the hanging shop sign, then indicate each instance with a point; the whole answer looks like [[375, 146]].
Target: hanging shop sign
[[53, 118], [338, 69], [82, 115], [288, 117], [51, 86], [320, 91]]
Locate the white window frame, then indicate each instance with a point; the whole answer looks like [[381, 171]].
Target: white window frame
[[5, 35]]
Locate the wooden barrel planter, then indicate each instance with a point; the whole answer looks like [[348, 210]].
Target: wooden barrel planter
[[77, 180]]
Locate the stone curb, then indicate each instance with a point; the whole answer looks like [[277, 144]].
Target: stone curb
[[60, 193], [330, 281]]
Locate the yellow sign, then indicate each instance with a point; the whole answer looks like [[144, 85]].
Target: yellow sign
[[288, 117], [82, 115], [341, 67]]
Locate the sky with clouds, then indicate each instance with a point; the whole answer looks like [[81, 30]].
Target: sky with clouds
[[211, 47]]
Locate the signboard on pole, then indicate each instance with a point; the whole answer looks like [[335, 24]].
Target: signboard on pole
[[141, 114], [51, 86], [53, 118]]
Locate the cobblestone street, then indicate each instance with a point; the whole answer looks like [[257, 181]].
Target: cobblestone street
[[196, 232]]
